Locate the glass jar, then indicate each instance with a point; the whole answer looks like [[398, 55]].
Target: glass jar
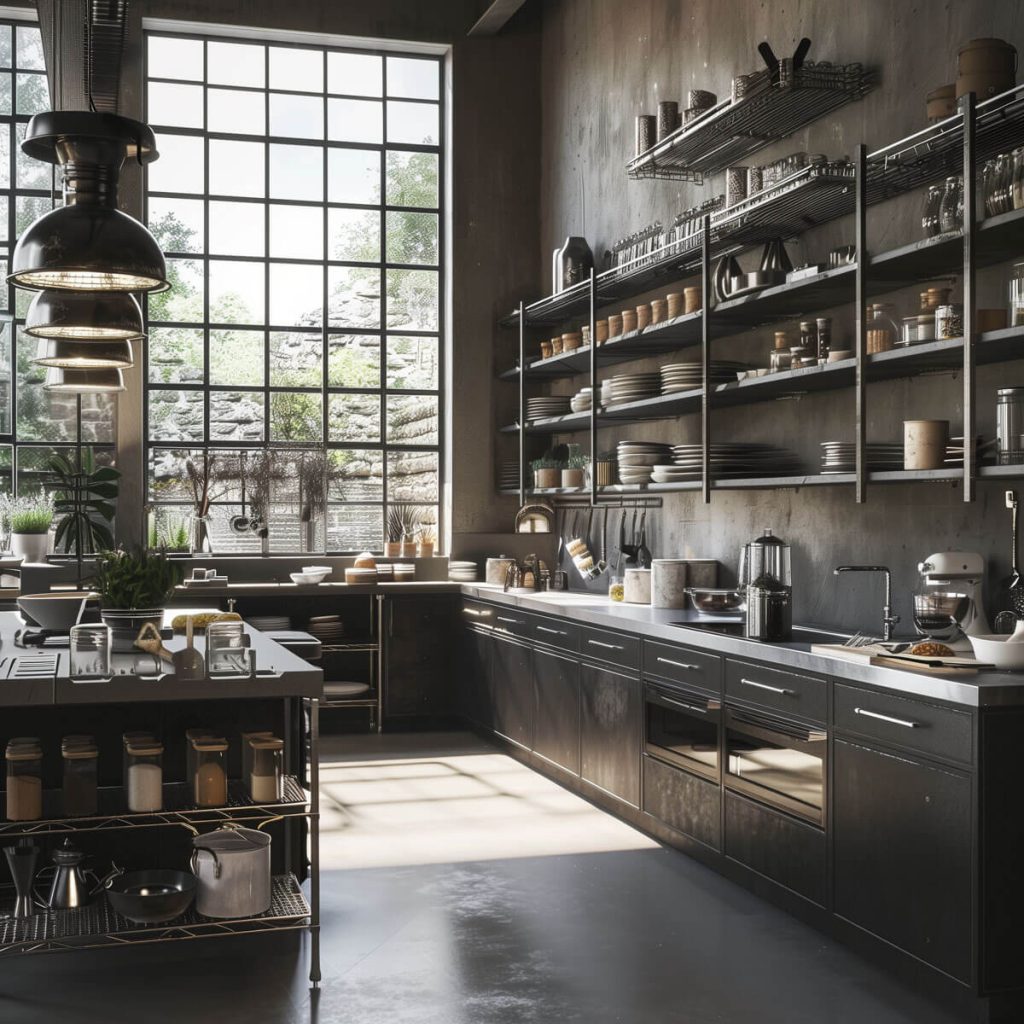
[[616, 588], [144, 777], [210, 781], [1017, 178], [266, 776], [951, 208], [930, 218], [808, 336], [1017, 296], [89, 647], [225, 650], [988, 179], [824, 337], [1002, 184], [882, 330], [949, 321], [24, 779], [80, 782], [191, 735], [247, 740]]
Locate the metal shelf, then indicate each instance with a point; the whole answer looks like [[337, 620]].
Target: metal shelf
[[98, 925]]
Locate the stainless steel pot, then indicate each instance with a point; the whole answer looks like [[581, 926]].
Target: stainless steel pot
[[232, 869], [769, 613]]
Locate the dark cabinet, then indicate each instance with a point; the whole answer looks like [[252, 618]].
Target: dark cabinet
[[610, 713], [683, 801], [418, 656], [556, 717], [902, 842], [473, 677], [512, 690]]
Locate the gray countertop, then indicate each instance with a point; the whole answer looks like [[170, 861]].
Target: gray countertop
[[967, 687], [195, 594]]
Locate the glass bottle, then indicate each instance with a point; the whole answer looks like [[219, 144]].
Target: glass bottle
[[1017, 296], [824, 325], [883, 332], [144, 777], [24, 780], [80, 783], [951, 215], [930, 219], [266, 776], [210, 783]]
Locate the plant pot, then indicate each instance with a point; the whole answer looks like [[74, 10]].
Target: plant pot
[[426, 549], [393, 549], [124, 624], [547, 477], [408, 549], [32, 547], [572, 477]]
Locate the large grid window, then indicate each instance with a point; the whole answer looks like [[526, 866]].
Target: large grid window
[[298, 200], [33, 423]]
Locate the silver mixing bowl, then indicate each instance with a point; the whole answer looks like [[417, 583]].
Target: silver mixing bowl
[[940, 614]]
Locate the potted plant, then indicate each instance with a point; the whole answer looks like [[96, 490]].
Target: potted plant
[[547, 472], [134, 588], [411, 516], [428, 539], [84, 499], [175, 541], [575, 469], [31, 519], [393, 545]]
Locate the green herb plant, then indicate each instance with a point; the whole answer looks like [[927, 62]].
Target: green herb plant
[[31, 513], [138, 579]]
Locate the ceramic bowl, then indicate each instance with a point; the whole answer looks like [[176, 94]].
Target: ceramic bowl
[[57, 611], [306, 578], [996, 651]]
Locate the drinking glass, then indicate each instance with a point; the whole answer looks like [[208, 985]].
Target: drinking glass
[[90, 651]]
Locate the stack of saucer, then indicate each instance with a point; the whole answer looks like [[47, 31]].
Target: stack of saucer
[[637, 459], [841, 457], [267, 623], [631, 387], [328, 629], [462, 572], [689, 376], [582, 400], [549, 405]]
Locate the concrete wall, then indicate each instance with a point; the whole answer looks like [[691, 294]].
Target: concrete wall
[[602, 64]]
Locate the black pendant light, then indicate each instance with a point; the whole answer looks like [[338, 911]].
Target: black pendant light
[[78, 381], [73, 353], [100, 316], [88, 244]]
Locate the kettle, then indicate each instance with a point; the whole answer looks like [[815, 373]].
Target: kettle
[[72, 885], [765, 577]]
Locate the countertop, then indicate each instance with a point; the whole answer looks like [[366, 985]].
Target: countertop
[[327, 589], [966, 687]]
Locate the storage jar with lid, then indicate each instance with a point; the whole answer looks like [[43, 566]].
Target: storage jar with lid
[[930, 217], [191, 735], [1017, 296], [232, 869], [210, 782], [80, 777], [144, 776], [882, 332], [951, 209], [824, 337], [266, 773], [917, 328], [24, 779], [949, 321], [638, 586], [1010, 425]]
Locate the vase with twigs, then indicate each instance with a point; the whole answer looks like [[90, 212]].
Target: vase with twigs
[[203, 472], [411, 517], [393, 544], [428, 541], [313, 497]]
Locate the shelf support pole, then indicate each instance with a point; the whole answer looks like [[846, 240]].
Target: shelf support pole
[[861, 341], [705, 344], [967, 108], [314, 842], [522, 403], [593, 387]]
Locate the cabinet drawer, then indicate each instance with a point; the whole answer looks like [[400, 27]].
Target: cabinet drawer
[[613, 648], [555, 633], [511, 621], [913, 724], [683, 802], [805, 696], [683, 665], [476, 613]]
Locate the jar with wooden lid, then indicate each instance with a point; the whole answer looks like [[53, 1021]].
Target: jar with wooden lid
[[248, 737], [80, 778], [266, 775], [783, 341], [24, 779], [882, 330], [144, 776], [210, 783]]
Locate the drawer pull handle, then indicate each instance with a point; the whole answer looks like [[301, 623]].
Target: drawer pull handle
[[679, 664], [546, 629], [515, 622], [905, 722], [610, 647], [764, 686], [475, 613]]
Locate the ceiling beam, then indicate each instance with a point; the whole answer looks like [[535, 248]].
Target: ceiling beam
[[494, 19]]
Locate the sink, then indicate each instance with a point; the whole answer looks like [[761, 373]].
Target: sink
[[801, 634]]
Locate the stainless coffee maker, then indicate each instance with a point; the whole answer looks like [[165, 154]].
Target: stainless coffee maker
[[766, 576]]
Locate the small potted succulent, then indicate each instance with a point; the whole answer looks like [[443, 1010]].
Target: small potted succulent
[[134, 589], [31, 517], [393, 545], [575, 470], [547, 472]]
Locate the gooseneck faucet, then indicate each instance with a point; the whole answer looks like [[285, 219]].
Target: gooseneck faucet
[[888, 619]]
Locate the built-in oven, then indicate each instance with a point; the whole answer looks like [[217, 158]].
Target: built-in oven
[[681, 727], [777, 761]]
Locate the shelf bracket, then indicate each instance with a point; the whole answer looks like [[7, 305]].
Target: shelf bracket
[[705, 344], [860, 300], [967, 112]]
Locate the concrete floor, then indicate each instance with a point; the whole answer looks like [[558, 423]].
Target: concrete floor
[[461, 888]]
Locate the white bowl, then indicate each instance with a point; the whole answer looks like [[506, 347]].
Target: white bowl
[[307, 577], [317, 570], [57, 611], [996, 651]]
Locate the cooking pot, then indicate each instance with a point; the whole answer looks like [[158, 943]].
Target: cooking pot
[[232, 869]]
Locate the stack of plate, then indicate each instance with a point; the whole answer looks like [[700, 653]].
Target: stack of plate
[[267, 623], [841, 457], [581, 401], [328, 629], [508, 475], [677, 377], [636, 459], [728, 459], [549, 405], [462, 572], [630, 387]]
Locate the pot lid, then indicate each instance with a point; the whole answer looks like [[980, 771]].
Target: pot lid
[[227, 840]]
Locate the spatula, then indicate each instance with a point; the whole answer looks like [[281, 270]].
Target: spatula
[[188, 662]]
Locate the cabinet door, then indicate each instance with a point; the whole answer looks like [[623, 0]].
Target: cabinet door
[[556, 719], [903, 853], [473, 677], [512, 690], [418, 662], [610, 704]]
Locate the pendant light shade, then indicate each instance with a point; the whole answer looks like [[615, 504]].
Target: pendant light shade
[[88, 244], [73, 353], [83, 381], [107, 316]]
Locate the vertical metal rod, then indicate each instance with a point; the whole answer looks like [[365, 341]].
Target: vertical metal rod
[[860, 300], [314, 841], [705, 341], [522, 403], [967, 108], [294, 756], [380, 662], [593, 387]]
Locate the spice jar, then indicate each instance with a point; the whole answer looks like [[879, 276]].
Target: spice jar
[[783, 341], [191, 735], [1017, 296], [210, 782], [24, 779], [949, 321], [602, 331], [614, 325], [824, 337], [808, 336], [934, 296], [80, 783], [882, 331], [266, 775], [616, 588], [144, 777], [628, 320]]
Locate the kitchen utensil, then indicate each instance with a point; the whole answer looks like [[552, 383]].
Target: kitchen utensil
[[188, 662], [1013, 583], [560, 526], [643, 552], [21, 860], [72, 885], [232, 869], [769, 613], [56, 612], [150, 897], [775, 258], [948, 600], [717, 600], [150, 641], [622, 543], [725, 269], [602, 565]]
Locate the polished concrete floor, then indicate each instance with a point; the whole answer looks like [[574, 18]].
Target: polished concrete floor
[[461, 888]]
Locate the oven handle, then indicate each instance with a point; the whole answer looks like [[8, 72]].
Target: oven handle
[[659, 697], [789, 730]]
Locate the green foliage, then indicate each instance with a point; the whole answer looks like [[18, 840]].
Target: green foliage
[[296, 416], [547, 463], [31, 513], [175, 536], [136, 580], [577, 461], [84, 500]]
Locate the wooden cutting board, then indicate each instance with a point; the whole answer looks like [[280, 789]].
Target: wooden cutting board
[[879, 656]]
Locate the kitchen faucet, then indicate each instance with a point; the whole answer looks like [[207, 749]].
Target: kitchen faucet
[[888, 619]]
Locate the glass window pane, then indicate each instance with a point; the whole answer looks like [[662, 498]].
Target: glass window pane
[[296, 117], [236, 229], [30, 48], [353, 176], [236, 358], [175, 355], [176, 415], [34, 467], [177, 224], [298, 68], [32, 173], [236, 64], [355, 74], [180, 167], [412, 237], [236, 111], [5, 155], [414, 76], [236, 292], [32, 94], [353, 294], [296, 294], [412, 363], [412, 300], [355, 528], [6, 380], [355, 121], [169, 57], [295, 359], [412, 419], [236, 168], [6, 49], [168, 474], [297, 232], [296, 416], [356, 474], [412, 178], [237, 416], [28, 209], [414, 122], [183, 301], [354, 417], [177, 106], [296, 172], [6, 92], [353, 361], [354, 235], [98, 419], [413, 476]]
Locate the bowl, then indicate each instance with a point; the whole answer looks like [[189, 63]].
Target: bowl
[[307, 578], [996, 651], [149, 897], [717, 600], [57, 611], [320, 570]]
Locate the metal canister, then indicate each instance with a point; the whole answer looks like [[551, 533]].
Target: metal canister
[[769, 613], [645, 132], [1010, 424]]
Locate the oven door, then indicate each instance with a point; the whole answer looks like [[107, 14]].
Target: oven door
[[681, 728], [778, 762]]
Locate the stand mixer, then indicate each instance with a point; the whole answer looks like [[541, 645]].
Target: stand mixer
[[948, 601]]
